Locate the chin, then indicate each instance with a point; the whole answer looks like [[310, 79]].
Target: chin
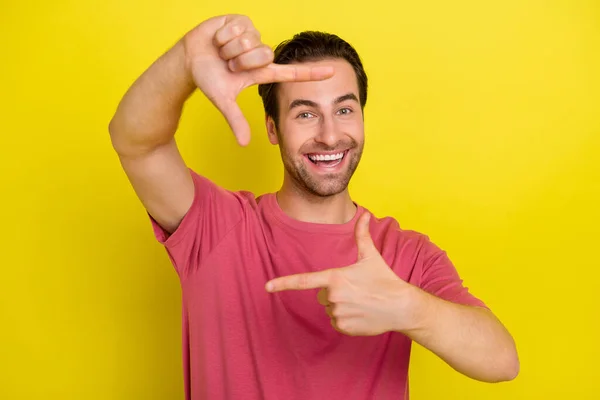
[[325, 186], [330, 188], [322, 182]]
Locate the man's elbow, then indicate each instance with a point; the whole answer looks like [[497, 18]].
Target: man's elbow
[[508, 373], [508, 369], [513, 368], [507, 361]]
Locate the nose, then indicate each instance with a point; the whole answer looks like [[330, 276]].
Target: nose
[[329, 132]]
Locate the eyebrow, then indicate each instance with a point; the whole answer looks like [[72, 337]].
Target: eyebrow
[[310, 103]]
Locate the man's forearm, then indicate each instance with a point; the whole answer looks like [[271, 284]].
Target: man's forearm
[[470, 339], [150, 111]]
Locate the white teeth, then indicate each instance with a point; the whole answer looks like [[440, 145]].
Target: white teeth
[[326, 157]]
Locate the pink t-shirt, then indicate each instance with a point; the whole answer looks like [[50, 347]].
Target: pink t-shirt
[[241, 342]]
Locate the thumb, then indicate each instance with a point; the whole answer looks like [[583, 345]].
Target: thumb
[[236, 120], [366, 247]]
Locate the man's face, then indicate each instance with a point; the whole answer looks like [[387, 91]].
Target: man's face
[[321, 130]]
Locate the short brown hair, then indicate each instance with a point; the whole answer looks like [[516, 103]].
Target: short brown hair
[[313, 46]]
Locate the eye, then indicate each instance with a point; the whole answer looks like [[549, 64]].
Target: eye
[[304, 115], [345, 111]]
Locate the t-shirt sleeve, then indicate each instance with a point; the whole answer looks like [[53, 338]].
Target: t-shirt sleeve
[[440, 277], [213, 213]]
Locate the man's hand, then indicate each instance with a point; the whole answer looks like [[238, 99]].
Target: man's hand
[[368, 298], [225, 55], [363, 299]]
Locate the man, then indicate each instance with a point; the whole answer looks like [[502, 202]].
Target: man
[[299, 294]]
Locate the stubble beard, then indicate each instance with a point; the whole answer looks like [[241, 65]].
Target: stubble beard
[[326, 185]]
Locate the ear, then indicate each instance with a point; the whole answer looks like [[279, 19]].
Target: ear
[[271, 130]]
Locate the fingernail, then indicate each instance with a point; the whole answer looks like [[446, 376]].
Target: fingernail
[[231, 65]]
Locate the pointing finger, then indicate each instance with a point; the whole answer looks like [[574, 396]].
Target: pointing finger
[[310, 280], [291, 73]]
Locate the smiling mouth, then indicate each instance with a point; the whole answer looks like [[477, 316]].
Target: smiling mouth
[[327, 160]]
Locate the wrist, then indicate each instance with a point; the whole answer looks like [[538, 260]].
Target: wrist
[[414, 312], [182, 54]]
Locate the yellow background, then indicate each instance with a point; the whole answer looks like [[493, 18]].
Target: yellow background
[[483, 131]]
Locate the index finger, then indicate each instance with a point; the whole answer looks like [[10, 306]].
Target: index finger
[[309, 280], [291, 73]]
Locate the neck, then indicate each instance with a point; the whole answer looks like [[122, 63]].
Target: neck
[[306, 207]]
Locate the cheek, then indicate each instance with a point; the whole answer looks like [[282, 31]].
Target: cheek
[[353, 127], [288, 144], [294, 136]]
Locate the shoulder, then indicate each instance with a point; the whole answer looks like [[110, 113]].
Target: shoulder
[[217, 192]]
